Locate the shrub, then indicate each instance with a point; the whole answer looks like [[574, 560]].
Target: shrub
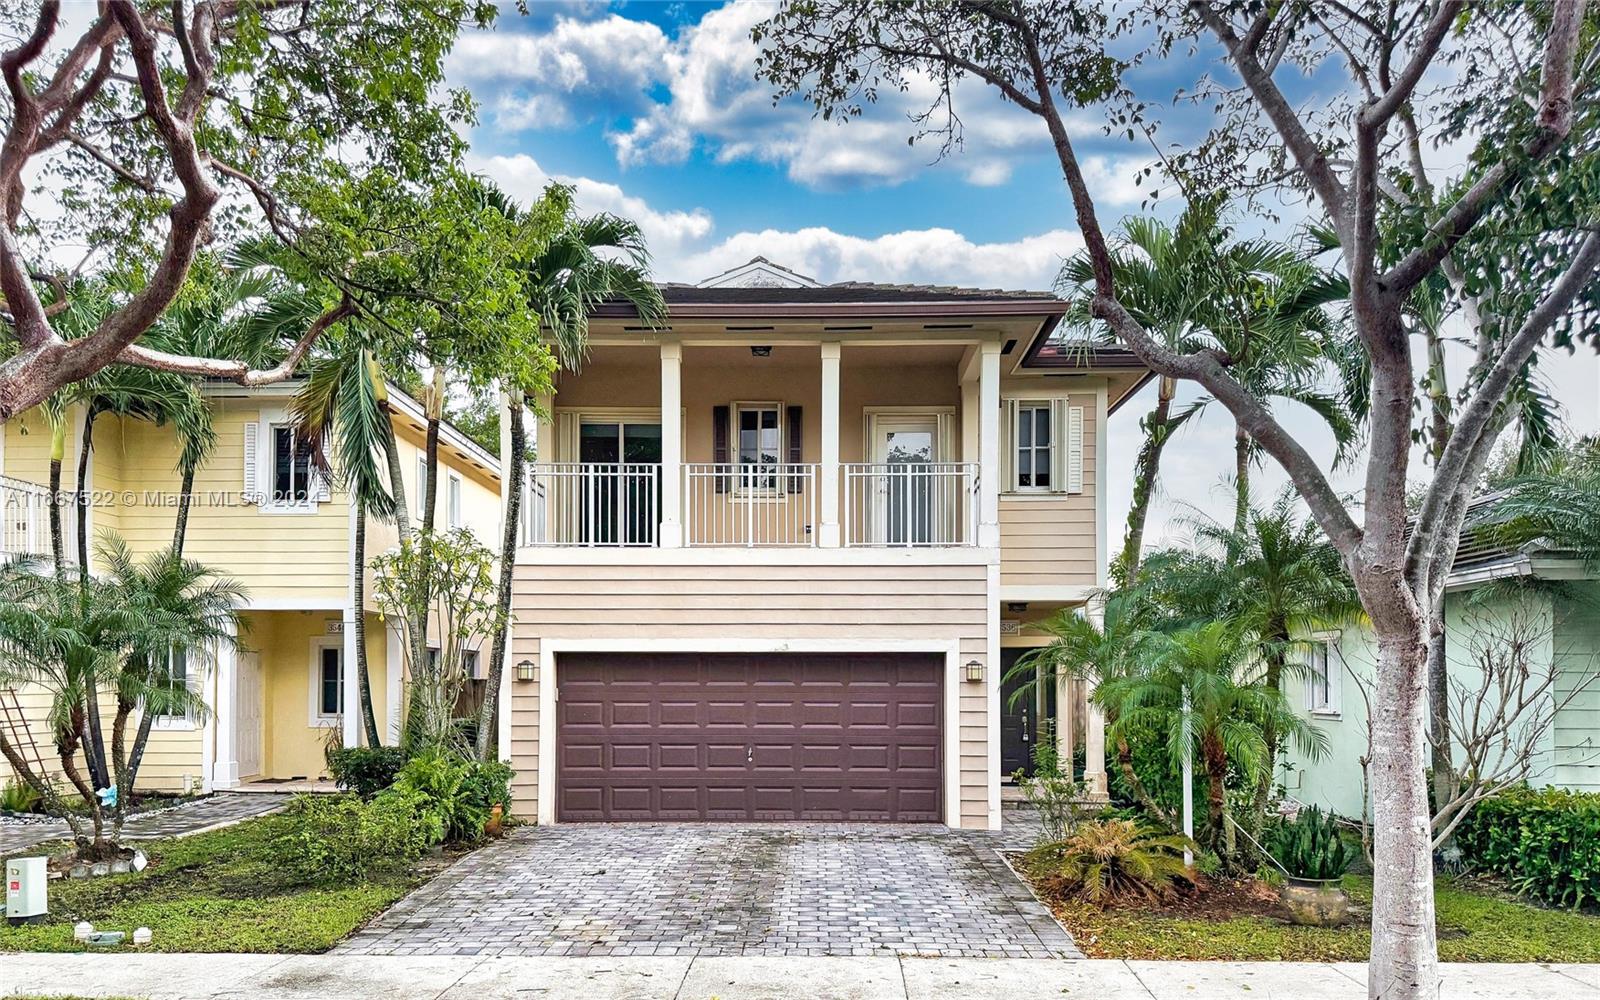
[[343, 838], [1051, 791], [1112, 861], [18, 797], [365, 770], [1547, 842], [1311, 846], [456, 793]]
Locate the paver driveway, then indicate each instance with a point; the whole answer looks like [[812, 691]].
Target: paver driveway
[[725, 889]]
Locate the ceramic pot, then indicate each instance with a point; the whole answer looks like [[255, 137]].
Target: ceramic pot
[[1315, 902]]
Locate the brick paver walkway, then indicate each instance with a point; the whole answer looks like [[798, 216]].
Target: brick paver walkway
[[212, 812], [725, 889]]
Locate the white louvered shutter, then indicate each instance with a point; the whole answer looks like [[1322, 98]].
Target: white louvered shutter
[[1075, 449], [1008, 445], [251, 486], [1058, 446], [318, 486]]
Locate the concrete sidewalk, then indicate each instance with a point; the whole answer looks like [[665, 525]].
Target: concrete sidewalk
[[335, 977]]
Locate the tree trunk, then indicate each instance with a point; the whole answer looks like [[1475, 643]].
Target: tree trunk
[[180, 526], [510, 527], [95, 748], [1439, 736], [430, 503], [141, 739], [369, 718], [1273, 679], [1405, 956], [1241, 479], [1126, 569], [58, 452], [1141, 794], [1215, 757]]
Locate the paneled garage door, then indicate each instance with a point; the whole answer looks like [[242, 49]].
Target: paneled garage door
[[748, 737]]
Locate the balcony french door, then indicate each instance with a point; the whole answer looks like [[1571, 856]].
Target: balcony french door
[[618, 501], [906, 448]]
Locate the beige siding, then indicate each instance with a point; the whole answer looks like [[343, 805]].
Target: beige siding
[[900, 601], [1048, 539]]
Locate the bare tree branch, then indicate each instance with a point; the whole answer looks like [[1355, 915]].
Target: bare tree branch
[[239, 371]]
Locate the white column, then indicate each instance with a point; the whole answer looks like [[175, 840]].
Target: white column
[[1065, 717], [394, 665], [671, 445], [989, 445], [1094, 733], [350, 719], [225, 767], [829, 536]]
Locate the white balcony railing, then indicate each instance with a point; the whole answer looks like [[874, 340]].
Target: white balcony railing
[[26, 509], [750, 505], [910, 504], [592, 504]]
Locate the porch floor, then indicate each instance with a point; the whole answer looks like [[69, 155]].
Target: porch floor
[[293, 786]]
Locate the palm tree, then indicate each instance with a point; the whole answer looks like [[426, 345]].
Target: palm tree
[[1279, 581], [1193, 690], [341, 408], [572, 270], [1193, 286], [1560, 507]]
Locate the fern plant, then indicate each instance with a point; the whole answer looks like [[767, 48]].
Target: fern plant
[[18, 797], [1310, 846], [1112, 861]]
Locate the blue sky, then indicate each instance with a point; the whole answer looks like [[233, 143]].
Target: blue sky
[[652, 110]]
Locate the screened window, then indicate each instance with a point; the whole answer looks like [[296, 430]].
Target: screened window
[[330, 682], [291, 467], [455, 502], [177, 671], [760, 445], [1034, 446]]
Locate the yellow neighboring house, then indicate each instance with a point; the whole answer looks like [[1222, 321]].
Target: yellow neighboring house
[[262, 517]]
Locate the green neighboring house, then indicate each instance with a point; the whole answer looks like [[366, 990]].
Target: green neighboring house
[[1535, 595]]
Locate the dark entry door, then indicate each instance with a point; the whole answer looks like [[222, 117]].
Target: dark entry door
[[1027, 721], [748, 737]]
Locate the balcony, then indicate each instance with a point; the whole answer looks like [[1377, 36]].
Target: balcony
[[25, 530], [776, 505]]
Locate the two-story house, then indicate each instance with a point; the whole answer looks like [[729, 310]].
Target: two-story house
[[778, 554], [263, 518]]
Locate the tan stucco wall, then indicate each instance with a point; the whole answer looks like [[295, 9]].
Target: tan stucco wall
[[900, 599]]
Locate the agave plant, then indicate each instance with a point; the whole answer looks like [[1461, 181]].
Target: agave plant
[[1310, 847], [1113, 861]]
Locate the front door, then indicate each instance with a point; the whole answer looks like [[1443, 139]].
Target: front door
[[619, 497], [907, 448], [1024, 720], [247, 697]]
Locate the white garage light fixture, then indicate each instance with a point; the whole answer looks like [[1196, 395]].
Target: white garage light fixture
[[526, 670], [975, 671]]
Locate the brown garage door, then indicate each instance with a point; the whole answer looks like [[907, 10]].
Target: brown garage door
[[735, 737]]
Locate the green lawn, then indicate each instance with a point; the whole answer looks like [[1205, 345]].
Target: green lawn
[[219, 891], [1475, 925]]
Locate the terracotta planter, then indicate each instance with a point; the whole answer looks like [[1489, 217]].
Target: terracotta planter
[[492, 827], [1315, 902]]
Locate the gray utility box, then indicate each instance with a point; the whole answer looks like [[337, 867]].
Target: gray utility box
[[26, 879]]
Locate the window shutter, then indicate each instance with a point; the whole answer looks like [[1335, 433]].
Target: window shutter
[[720, 416], [1075, 449], [796, 433], [318, 487], [252, 477], [1008, 445], [1060, 421]]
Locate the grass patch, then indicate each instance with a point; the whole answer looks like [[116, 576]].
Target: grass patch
[[1476, 924], [224, 891]]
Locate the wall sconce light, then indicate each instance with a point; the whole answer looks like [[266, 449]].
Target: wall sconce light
[[525, 670], [763, 351], [975, 671]]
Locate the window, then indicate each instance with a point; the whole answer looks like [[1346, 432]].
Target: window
[[469, 664], [1322, 681], [760, 445], [454, 507], [1034, 444], [422, 485], [327, 681], [291, 467], [177, 676]]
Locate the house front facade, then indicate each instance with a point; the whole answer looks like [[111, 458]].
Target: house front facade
[[263, 518], [778, 554]]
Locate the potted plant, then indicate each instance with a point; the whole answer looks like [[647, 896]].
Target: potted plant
[[1314, 858]]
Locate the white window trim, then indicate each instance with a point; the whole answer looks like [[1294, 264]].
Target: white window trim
[[179, 723], [422, 484], [266, 461], [1330, 707], [317, 719], [757, 494], [454, 500], [1031, 406]]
